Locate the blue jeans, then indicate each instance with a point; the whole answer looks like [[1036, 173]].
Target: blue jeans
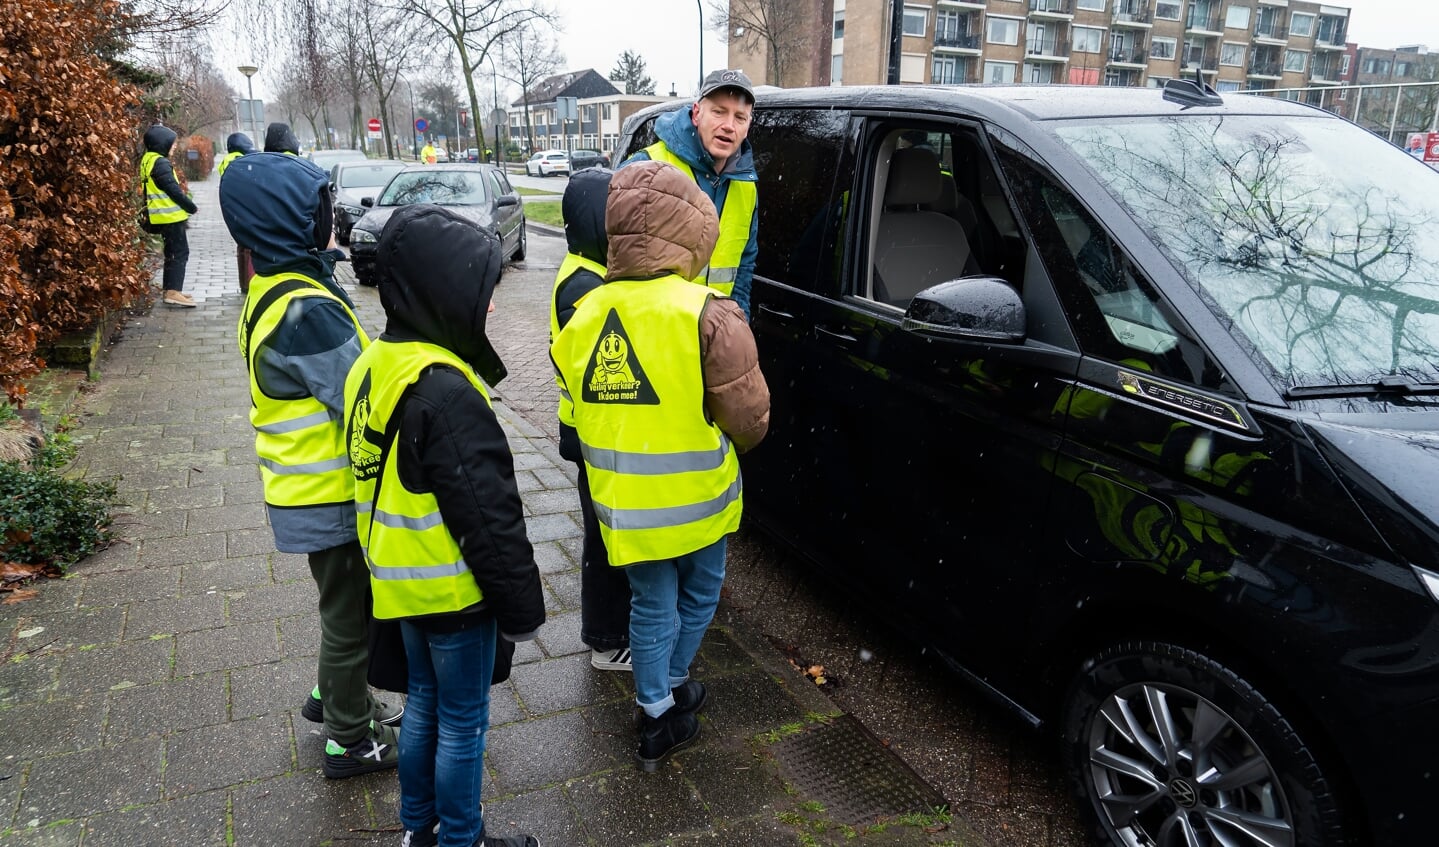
[[671, 605], [442, 744]]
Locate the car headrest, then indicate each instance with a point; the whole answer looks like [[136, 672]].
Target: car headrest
[[913, 177]]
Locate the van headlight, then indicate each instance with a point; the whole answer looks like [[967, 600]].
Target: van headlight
[[363, 236]]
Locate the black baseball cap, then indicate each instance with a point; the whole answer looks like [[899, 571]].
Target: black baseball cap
[[729, 78]]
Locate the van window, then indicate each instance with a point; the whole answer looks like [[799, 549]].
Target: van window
[[1116, 312], [935, 212], [800, 157]]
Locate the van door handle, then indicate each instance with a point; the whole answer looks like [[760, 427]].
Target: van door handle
[[782, 317], [832, 335]]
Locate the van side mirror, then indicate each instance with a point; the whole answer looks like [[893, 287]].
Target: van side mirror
[[968, 307], [367, 202], [506, 200]]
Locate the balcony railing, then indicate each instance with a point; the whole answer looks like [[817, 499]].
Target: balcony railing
[[1052, 7], [1207, 62], [1266, 69], [1133, 56], [1207, 23], [1046, 47], [1137, 14], [960, 77], [956, 42], [1329, 39], [1273, 32]]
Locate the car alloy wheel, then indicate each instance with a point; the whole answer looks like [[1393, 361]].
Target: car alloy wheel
[[1159, 758]]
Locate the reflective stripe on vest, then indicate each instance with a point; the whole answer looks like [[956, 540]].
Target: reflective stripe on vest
[[160, 206], [416, 565], [665, 480], [568, 266], [734, 221], [301, 447]]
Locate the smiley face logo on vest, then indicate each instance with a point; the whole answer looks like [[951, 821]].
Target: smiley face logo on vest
[[615, 373]]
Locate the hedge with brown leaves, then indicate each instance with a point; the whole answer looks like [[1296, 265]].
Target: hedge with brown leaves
[[70, 247]]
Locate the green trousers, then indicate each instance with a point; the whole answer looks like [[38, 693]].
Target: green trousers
[[344, 584]]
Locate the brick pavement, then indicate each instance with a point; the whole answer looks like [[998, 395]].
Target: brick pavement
[[152, 696]]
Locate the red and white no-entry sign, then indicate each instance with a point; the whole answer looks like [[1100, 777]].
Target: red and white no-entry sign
[[373, 125]]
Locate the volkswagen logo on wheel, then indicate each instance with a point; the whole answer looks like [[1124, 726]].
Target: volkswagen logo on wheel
[[1183, 793]]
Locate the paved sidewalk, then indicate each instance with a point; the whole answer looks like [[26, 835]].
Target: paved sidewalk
[[152, 697]]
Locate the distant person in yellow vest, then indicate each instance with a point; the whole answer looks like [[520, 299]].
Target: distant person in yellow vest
[[665, 391], [710, 142], [440, 513], [299, 335], [236, 145], [167, 207], [428, 154]]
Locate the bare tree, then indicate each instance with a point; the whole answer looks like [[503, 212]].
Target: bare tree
[[384, 37], [194, 94], [630, 69], [341, 40], [530, 56], [777, 29], [474, 29], [301, 93]]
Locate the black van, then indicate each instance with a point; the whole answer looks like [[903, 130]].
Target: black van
[[1125, 401]]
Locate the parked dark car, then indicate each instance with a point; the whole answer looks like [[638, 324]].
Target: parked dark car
[[481, 193], [581, 159], [351, 183], [1126, 402]]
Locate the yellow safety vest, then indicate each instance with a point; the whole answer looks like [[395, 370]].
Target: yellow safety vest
[[161, 208], [664, 479], [225, 162], [301, 447], [416, 565], [739, 205], [568, 266]]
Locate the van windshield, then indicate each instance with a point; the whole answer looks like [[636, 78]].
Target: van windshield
[[1318, 242]]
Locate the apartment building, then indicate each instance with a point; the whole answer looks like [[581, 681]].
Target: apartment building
[[1232, 44]]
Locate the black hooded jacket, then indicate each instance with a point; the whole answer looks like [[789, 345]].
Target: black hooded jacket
[[279, 138], [583, 208], [159, 139], [436, 274]]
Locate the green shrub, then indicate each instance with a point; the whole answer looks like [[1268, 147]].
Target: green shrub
[[47, 519]]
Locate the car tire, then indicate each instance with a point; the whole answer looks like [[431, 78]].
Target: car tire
[[1112, 750], [521, 245], [365, 278]]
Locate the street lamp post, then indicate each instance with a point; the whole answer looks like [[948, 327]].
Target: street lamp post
[[700, 5], [249, 71]]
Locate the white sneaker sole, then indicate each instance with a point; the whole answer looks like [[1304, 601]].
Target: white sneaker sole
[[612, 660]]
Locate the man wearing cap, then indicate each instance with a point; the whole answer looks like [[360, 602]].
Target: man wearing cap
[[710, 143]]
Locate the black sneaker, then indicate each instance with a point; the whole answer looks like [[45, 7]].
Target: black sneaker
[[661, 736], [507, 841], [427, 837], [314, 710], [375, 752]]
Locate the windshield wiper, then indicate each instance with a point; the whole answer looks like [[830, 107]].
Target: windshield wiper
[[1389, 385]]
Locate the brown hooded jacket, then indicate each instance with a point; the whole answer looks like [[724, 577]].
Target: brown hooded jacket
[[659, 222]]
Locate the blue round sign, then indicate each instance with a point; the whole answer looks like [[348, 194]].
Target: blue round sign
[[421, 124]]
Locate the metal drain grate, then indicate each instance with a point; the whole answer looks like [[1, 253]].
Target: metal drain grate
[[844, 767]]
